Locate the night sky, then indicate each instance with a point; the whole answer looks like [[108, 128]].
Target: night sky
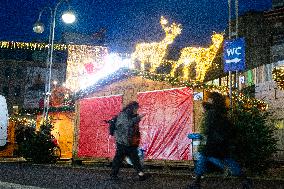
[[126, 21]]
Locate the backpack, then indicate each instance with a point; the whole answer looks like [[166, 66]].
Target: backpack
[[112, 126]]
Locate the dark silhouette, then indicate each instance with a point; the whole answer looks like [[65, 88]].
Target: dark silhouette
[[126, 134], [220, 141]]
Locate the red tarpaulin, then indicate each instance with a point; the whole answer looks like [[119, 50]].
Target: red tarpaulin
[[168, 121], [164, 128], [94, 139]]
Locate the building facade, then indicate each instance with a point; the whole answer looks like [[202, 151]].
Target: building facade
[[23, 72], [264, 37]]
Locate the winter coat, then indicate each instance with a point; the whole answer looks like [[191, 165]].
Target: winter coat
[[219, 133], [126, 129]]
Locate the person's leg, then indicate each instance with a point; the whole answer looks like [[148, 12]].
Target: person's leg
[[235, 170], [217, 162], [133, 155], [199, 170], [200, 165], [233, 166], [117, 160]]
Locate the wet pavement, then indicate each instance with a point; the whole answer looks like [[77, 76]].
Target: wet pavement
[[66, 176]]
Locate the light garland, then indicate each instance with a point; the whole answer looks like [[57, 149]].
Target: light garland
[[153, 53], [30, 46], [36, 111], [124, 73], [278, 76], [22, 120], [201, 57], [249, 102], [80, 59]]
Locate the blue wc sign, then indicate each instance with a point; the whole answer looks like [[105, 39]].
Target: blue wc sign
[[234, 55]]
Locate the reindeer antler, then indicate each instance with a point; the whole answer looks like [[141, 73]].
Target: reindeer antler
[[174, 29], [163, 21]]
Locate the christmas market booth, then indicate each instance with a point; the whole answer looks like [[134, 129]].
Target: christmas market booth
[[61, 113], [171, 111], [169, 102]]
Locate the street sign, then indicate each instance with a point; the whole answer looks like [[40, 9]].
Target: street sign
[[234, 55]]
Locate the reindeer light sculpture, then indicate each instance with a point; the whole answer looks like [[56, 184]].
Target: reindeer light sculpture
[[154, 53], [201, 57]]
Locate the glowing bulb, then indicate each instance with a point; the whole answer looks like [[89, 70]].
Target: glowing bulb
[[54, 82], [68, 17], [38, 27]]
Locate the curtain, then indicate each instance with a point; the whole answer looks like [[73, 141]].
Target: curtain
[[167, 122], [94, 139]]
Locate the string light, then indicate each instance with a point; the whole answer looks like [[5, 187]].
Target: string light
[[278, 76], [201, 57], [79, 56], [154, 53], [22, 120], [125, 73], [30, 46]]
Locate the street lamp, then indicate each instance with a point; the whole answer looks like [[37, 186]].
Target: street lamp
[[68, 17]]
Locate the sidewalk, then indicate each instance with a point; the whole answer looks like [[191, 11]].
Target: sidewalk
[[11, 159], [173, 172], [64, 175], [7, 185], [152, 166]]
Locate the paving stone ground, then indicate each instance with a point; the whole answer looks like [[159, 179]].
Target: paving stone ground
[[66, 176]]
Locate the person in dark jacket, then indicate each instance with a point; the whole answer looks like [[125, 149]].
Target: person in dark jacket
[[220, 141], [127, 138]]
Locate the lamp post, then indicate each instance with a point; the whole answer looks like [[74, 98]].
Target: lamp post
[[68, 17]]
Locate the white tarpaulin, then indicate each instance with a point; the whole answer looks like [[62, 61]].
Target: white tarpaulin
[[3, 121]]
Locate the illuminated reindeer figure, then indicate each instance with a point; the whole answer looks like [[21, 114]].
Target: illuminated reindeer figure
[[153, 53], [202, 57]]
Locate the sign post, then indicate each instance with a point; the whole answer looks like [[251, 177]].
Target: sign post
[[234, 55], [234, 58]]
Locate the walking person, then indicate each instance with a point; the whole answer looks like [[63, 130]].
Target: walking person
[[220, 142], [127, 138]]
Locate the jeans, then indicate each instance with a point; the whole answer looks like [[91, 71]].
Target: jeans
[[200, 166]]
